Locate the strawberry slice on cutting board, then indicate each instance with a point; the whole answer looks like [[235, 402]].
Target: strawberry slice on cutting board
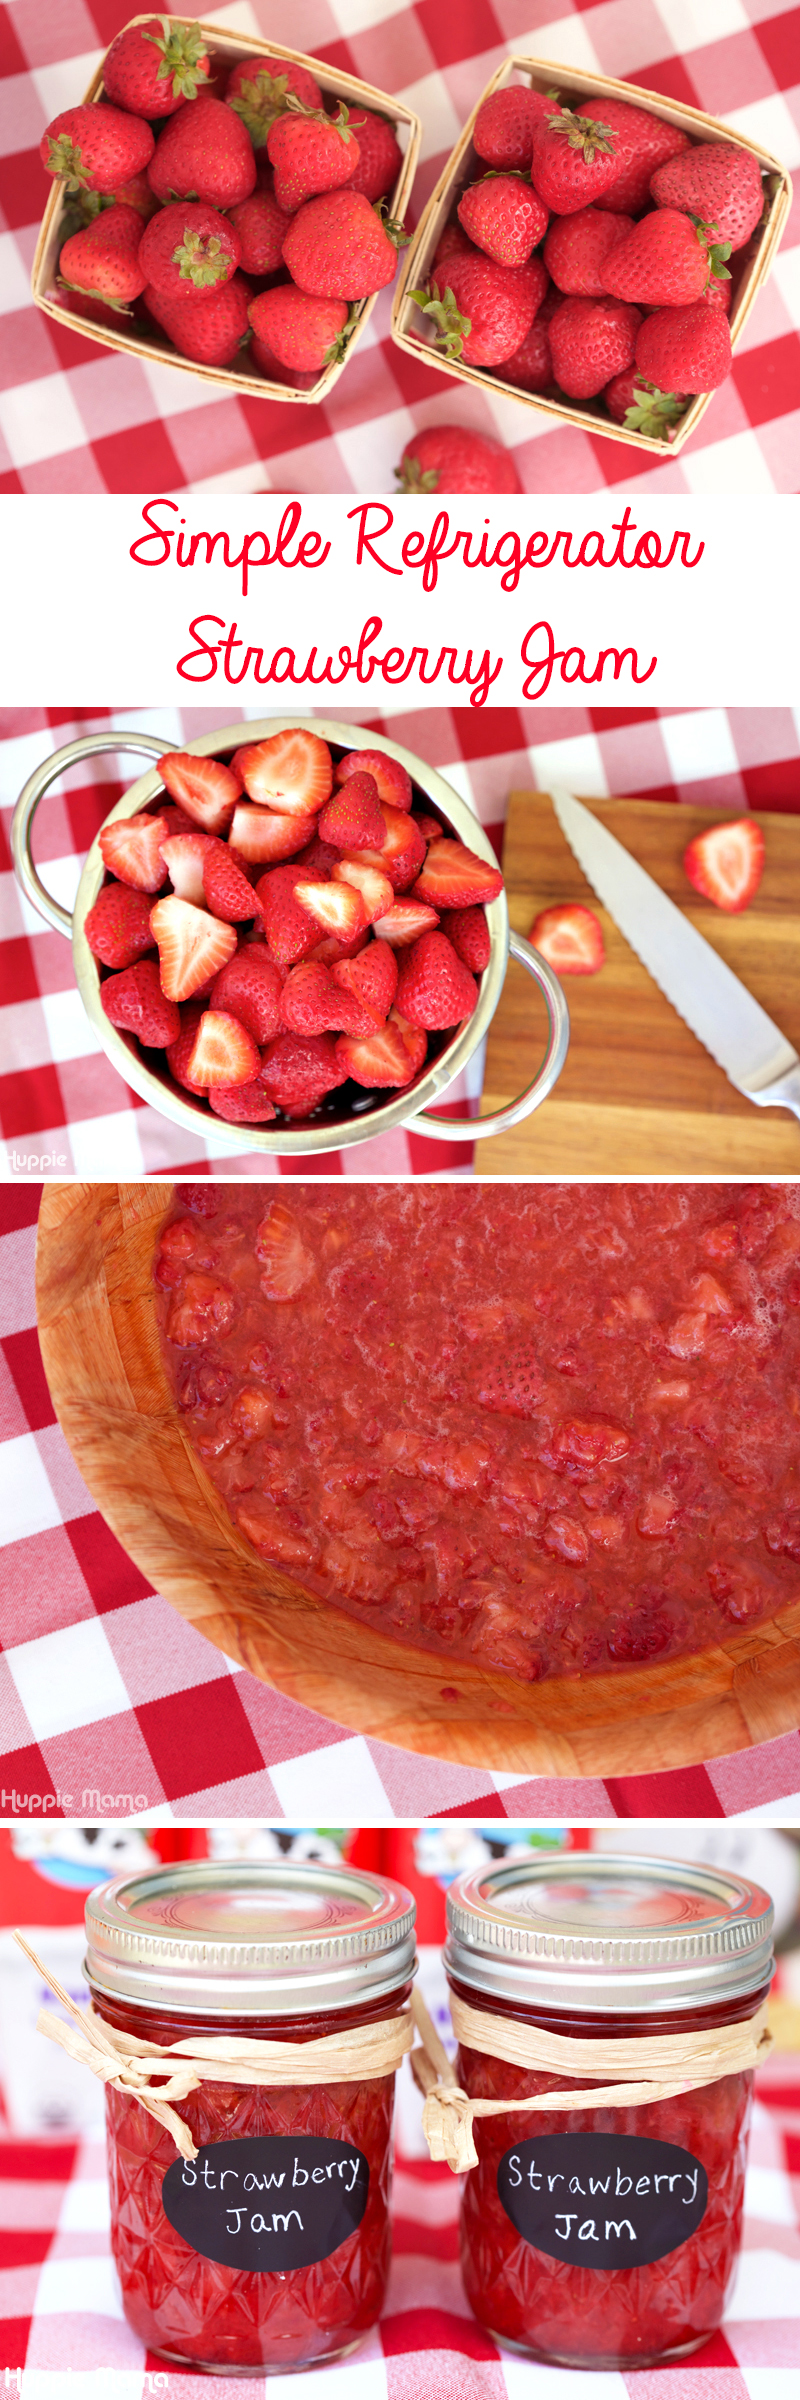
[[570, 938], [726, 863]]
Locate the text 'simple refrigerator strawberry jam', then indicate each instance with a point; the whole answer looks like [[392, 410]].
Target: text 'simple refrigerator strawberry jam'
[[605, 2236], [269, 2248]]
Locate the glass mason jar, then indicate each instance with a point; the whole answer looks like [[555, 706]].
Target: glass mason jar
[[293, 2181], [561, 2204]]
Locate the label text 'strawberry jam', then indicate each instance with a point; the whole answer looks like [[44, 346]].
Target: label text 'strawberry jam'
[[270, 2250], [552, 1429], [605, 2237]]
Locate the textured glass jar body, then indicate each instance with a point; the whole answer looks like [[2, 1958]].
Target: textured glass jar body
[[574, 2315], [191, 2309]]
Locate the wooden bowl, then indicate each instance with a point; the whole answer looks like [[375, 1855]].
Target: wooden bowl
[[102, 1357]]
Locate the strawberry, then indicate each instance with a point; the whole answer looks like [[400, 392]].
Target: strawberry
[[371, 977], [718, 292], [261, 228], [430, 828], [664, 260], [135, 1002], [504, 216], [293, 378], [485, 310], [312, 1003], [402, 852], [179, 1052], [719, 183], [380, 157], [331, 951], [351, 819], [222, 1052], [189, 247], [451, 458], [643, 143], [454, 877], [310, 153], [227, 891], [384, 1058], [95, 147], [452, 243], [300, 332], [117, 928], [297, 1070], [249, 988], [259, 835], [530, 367], [591, 340], [291, 772], [318, 859], [104, 258], [374, 888], [135, 193], [281, 1251], [632, 401], [241, 1103], [183, 855], [205, 789], [577, 247], [339, 248], [570, 938], [510, 1382], [152, 67], [506, 124], [469, 933], [574, 158], [726, 863], [337, 907], [204, 153], [685, 349], [211, 328], [192, 945], [391, 777], [434, 988], [291, 932], [258, 90], [131, 850]]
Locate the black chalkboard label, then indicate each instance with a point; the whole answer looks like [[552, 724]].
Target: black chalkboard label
[[603, 2199], [269, 2202]]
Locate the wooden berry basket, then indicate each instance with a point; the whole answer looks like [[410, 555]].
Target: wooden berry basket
[[749, 267], [143, 341], [102, 1357]]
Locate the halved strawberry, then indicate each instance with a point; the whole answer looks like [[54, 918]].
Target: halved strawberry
[[206, 789], [184, 854], [337, 907], [298, 1069], [131, 851], [392, 779], [469, 933], [726, 863], [117, 928], [434, 988], [291, 932], [312, 1003], [282, 1252], [414, 1040], [241, 1103], [191, 946], [259, 834], [383, 1059], [430, 829], [249, 988], [570, 938], [404, 922], [375, 888], [333, 949], [135, 1002], [227, 891], [454, 877], [351, 819], [180, 1051], [291, 772], [223, 1052], [402, 852], [371, 977]]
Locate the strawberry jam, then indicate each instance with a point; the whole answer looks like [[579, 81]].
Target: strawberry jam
[[294, 2181], [605, 2237], [551, 1428]]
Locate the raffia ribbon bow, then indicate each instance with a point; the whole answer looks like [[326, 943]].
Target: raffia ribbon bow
[[360, 2054], [644, 2068]]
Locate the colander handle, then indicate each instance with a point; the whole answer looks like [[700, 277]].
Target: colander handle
[[500, 1120], [88, 745]]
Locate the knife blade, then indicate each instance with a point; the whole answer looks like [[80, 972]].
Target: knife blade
[[752, 1051]]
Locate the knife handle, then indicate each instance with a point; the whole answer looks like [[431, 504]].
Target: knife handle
[[783, 1093]]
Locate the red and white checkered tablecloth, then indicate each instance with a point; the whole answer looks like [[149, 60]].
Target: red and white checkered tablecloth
[[75, 417], [111, 1705], [64, 1109], [60, 2309]]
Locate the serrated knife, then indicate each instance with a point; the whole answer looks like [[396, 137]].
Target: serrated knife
[[754, 1054]]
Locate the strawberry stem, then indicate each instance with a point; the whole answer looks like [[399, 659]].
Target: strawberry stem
[[451, 328], [258, 104], [583, 133], [87, 292], [391, 225], [65, 159], [181, 48], [201, 262], [338, 347]]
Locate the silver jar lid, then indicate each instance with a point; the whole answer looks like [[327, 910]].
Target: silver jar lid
[[254, 1938], [601, 1933]]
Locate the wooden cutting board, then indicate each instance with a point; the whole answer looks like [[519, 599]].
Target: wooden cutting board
[[639, 1095]]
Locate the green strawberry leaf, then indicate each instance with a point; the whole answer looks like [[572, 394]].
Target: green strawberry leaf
[[654, 412], [583, 133], [201, 261], [412, 478], [337, 348], [121, 307], [65, 159], [182, 48], [391, 225], [451, 328]]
